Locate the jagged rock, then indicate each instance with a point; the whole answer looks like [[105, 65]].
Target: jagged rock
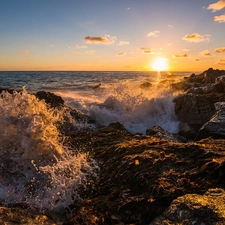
[[17, 215], [208, 209], [141, 175], [159, 132], [187, 131], [50, 98], [145, 85], [195, 109], [216, 126]]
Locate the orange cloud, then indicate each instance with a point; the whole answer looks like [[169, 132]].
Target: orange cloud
[[197, 60], [195, 37], [220, 50], [100, 40], [217, 6], [153, 33], [206, 53], [222, 62], [180, 56], [121, 53], [146, 50], [220, 19]]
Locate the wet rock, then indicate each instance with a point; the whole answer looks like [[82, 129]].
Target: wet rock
[[187, 131], [215, 127], [145, 85], [208, 209], [50, 98], [141, 175], [24, 216], [159, 132]]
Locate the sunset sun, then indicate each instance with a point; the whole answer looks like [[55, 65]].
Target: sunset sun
[[160, 64]]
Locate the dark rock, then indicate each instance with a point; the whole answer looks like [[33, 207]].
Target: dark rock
[[145, 85], [159, 132], [24, 216], [140, 176], [50, 98], [187, 131], [190, 209], [195, 109], [215, 127]]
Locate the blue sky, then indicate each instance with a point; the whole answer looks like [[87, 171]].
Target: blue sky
[[111, 35]]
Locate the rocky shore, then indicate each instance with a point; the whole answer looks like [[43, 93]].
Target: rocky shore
[[157, 178]]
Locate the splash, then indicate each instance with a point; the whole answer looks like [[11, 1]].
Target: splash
[[35, 166], [138, 109]]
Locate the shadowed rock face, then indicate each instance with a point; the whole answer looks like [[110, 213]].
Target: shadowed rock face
[[206, 209]]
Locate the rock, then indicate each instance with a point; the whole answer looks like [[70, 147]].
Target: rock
[[195, 109], [159, 132], [221, 80], [24, 216], [208, 209], [145, 85], [141, 175], [187, 131], [216, 126], [50, 98]]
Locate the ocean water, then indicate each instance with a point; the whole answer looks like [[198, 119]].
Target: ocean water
[[36, 167]]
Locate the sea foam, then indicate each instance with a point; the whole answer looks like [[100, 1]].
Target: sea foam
[[136, 108], [36, 167]]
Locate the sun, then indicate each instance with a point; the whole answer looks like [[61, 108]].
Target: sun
[[160, 64]]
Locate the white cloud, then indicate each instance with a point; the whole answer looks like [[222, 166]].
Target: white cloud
[[153, 33], [123, 43]]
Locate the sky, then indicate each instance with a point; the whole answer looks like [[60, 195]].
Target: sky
[[106, 35]]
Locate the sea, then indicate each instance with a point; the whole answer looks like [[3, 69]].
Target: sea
[[36, 167]]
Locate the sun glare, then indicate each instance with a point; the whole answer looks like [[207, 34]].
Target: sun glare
[[160, 64]]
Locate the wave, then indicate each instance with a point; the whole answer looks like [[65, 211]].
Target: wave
[[36, 166], [135, 107]]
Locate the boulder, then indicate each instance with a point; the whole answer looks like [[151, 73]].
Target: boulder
[[16, 215], [215, 127], [50, 98], [159, 132], [208, 209]]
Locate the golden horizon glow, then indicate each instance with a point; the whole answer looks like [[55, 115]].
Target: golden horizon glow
[[160, 64]]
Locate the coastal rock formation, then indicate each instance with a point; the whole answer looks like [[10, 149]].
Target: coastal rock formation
[[196, 105], [141, 175], [216, 126], [50, 98], [195, 209]]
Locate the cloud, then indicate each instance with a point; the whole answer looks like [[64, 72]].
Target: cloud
[[220, 50], [222, 62], [169, 25], [197, 60], [107, 39], [83, 46], [153, 33], [206, 53], [146, 50], [186, 50], [217, 6], [121, 53], [128, 8], [75, 53], [220, 19], [180, 56], [123, 43], [195, 37]]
